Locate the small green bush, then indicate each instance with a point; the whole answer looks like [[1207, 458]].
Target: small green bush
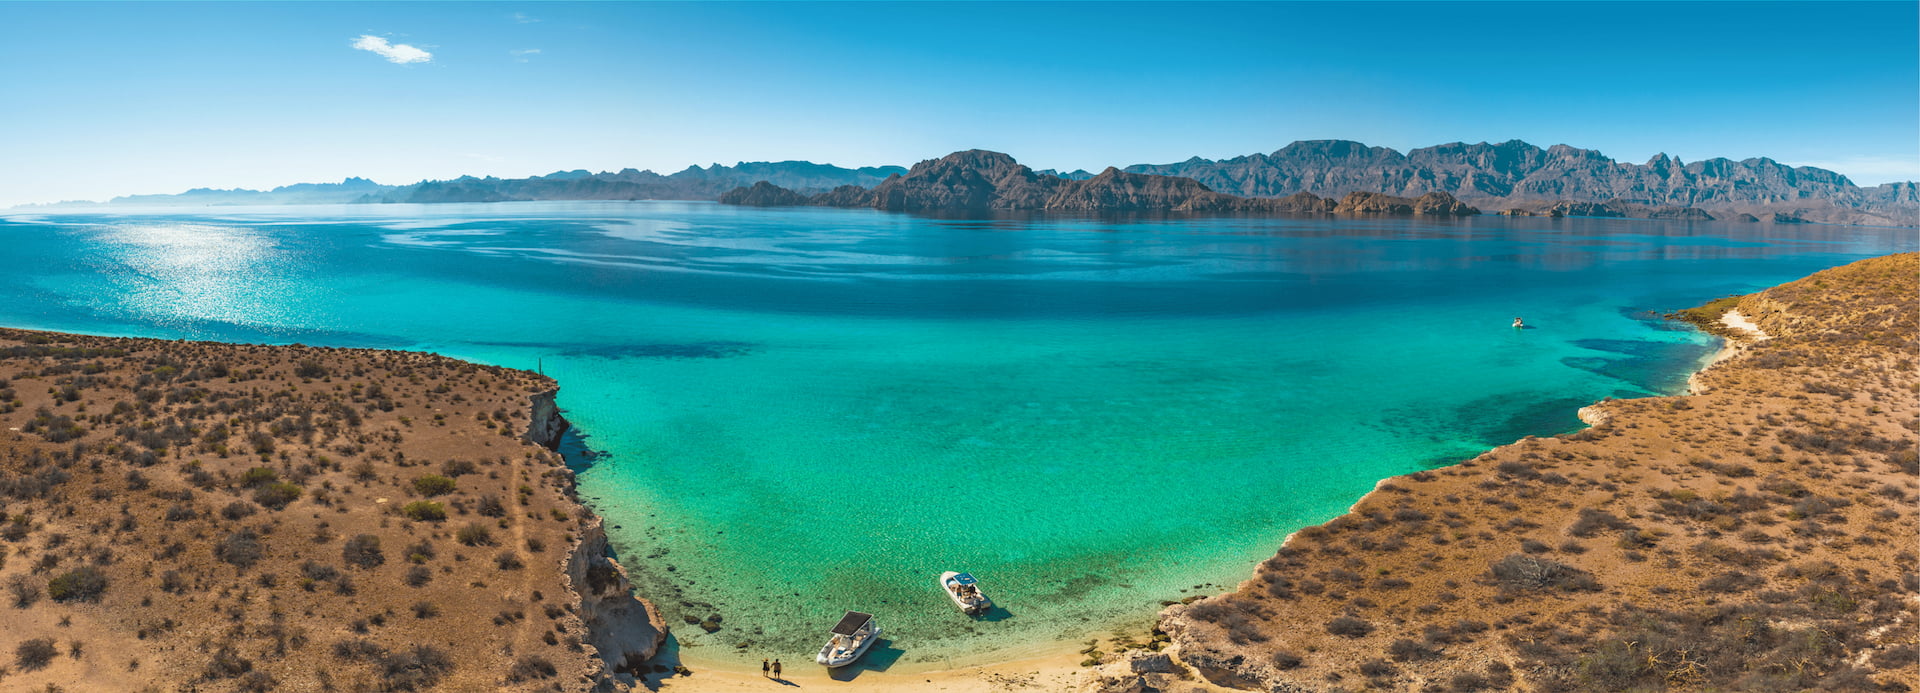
[[433, 485], [83, 584], [424, 511], [258, 476], [276, 495]]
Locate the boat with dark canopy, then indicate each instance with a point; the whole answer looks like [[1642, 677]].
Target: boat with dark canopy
[[851, 638]]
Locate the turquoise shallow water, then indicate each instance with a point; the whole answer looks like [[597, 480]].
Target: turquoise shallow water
[[805, 411]]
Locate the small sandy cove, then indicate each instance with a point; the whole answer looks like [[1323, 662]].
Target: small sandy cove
[[1052, 672]]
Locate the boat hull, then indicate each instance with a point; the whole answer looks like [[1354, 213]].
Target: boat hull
[[971, 609], [826, 657]]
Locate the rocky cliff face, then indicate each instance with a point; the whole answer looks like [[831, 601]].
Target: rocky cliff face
[[624, 630], [546, 425]]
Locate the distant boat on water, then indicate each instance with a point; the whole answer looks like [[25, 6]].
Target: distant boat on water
[[965, 593]]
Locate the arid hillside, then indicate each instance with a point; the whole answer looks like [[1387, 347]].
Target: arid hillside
[[1758, 535], [181, 516]]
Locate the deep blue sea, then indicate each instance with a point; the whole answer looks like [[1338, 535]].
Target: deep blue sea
[[803, 411]]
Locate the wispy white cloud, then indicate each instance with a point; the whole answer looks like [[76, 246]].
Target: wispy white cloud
[[522, 18], [524, 54], [394, 52]]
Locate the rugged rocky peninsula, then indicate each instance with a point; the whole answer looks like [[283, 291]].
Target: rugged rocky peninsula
[[1754, 535], [199, 516], [978, 181]]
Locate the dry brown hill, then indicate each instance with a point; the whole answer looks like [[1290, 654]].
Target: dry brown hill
[[179, 516]]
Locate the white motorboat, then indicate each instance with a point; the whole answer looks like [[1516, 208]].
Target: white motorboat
[[965, 593], [852, 637]]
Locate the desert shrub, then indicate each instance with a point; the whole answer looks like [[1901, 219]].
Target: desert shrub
[[276, 495], [318, 571], [1593, 521], [529, 667], [256, 682], [83, 584], [491, 506], [240, 549], [1284, 660], [35, 654], [457, 468], [433, 485], [474, 535], [363, 551], [424, 511], [258, 476], [311, 370], [508, 560], [1377, 668], [226, 664], [1404, 650], [358, 650], [418, 576], [1523, 572], [425, 610], [1731, 582], [602, 577], [172, 582], [1349, 627], [238, 510], [1468, 682], [416, 669], [25, 591]]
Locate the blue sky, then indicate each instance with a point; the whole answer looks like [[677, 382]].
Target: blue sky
[[103, 99]]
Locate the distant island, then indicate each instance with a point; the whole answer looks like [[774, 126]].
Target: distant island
[[1511, 178]]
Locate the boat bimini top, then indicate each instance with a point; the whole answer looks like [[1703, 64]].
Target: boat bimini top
[[852, 624]]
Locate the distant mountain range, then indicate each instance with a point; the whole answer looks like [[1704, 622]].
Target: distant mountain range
[[1517, 175], [1512, 177], [978, 181], [693, 183]]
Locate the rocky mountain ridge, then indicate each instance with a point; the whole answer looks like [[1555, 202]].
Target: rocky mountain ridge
[[1515, 174], [979, 181], [1512, 176]]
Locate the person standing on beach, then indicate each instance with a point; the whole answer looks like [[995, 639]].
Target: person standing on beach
[[776, 670], [764, 667]]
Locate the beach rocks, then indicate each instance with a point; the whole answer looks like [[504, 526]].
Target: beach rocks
[[1154, 664]]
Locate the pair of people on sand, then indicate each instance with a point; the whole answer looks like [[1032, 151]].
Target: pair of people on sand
[[774, 668]]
